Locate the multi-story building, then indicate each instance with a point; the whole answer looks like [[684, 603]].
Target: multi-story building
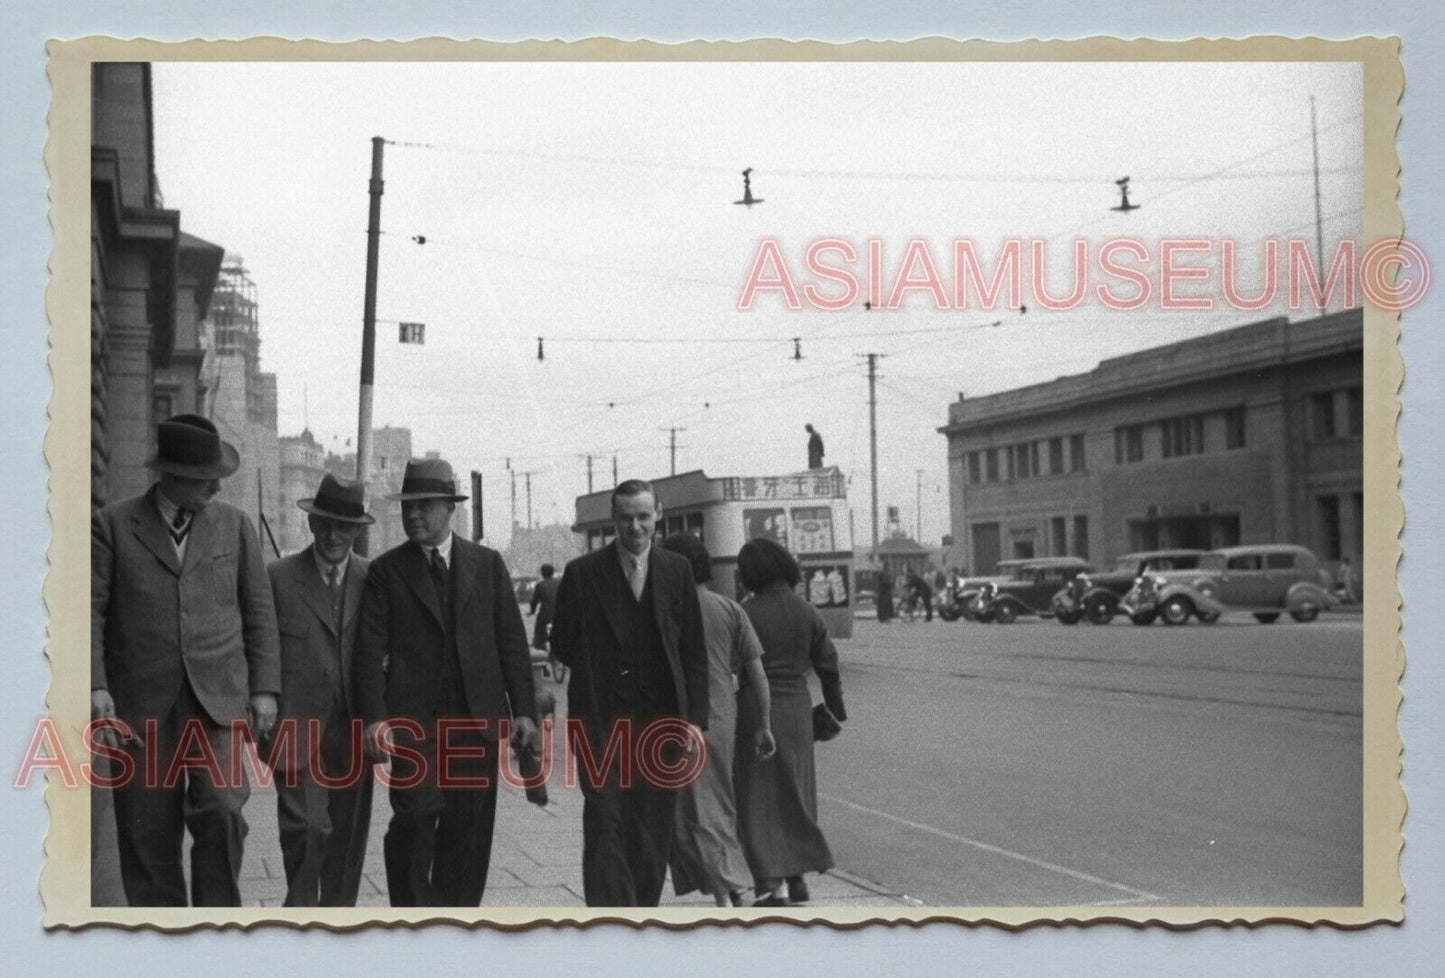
[[150, 287], [303, 464], [243, 400], [1248, 435]]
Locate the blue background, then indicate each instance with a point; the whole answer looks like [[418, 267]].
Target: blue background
[[777, 950]]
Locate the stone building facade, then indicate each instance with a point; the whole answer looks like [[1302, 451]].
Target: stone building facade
[[1248, 435]]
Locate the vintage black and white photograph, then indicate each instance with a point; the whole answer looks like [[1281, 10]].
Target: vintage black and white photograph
[[838, 488]]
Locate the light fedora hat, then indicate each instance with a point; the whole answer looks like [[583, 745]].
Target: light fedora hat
[[428, 478], [189, 446], [339, 499]]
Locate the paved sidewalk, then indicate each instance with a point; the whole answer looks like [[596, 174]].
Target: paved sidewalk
[[536, 854]]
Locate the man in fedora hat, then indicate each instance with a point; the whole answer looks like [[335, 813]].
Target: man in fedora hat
[[183, 648], [442, 652], [323, 820]]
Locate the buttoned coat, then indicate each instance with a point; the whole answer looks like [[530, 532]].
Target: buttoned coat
[[401, 645], [313, 662], [157, 620], [587, 638]]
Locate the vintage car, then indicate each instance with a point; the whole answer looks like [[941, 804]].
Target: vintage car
[[1030, 590], [1265, 580], [1096, 597], [966, 594]]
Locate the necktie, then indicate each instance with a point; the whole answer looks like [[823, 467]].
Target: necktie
[[439, 577], [180, 526], [333, 581], [636, 577]]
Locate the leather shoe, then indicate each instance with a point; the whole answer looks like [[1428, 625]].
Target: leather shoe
[[797, 890]]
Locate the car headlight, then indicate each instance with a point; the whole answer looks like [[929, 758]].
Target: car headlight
[[1160, 582]]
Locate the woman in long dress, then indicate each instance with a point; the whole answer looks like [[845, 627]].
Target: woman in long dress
[[706, 852], [778, 798]]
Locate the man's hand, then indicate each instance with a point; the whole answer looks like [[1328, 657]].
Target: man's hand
[[371, 739], [764, 744], [102, 707], [524, 734], [263, 714]]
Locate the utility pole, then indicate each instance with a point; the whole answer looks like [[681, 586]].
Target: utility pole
[[368, 329], [673, 445], [589, 475], [528, 476], [873, 439], [513, 473], [614, 471], [918, 513], [477, 512], [1319, 223]]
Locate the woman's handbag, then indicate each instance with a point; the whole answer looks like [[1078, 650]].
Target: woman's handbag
[[825, 724]]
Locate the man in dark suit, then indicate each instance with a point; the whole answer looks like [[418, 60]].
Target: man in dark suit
[[183, 647], [629, 625], [323, 820], [442, 652], [544, 603]]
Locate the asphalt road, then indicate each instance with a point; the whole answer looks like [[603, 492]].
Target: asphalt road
[[1036, 764]]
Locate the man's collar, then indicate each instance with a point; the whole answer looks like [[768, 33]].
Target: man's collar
[[628, 558], [444, 548], [324, 567]]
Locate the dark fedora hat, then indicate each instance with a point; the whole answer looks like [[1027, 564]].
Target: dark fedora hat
[[428, 478], [189, 446], [339, 499]]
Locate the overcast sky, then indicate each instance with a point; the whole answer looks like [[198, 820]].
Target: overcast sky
[[592, 204]]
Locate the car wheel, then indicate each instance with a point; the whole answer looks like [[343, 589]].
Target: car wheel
[[984, 616], [1100, 611], [1067, 618], [1006, 614], [1176, 610], [1146, 618], [1266, 617], [1305, 613], [948, 613]]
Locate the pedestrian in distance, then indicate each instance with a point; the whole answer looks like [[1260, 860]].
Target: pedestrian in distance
[[542, 610], [629, 627], [707, 854], [323, 786], [442, 653], [778, 798], [183, 649]]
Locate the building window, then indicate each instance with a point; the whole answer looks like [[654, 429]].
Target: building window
[[1129, 444], [1322, 415], [1026, 460], [1059, 533], [1081, 537], [1354, 413], [1056, 456], [1234, 427], [1008, 457], [1076, 453], [1182, 436], [975, 475], [1330, 537], [990, 464]]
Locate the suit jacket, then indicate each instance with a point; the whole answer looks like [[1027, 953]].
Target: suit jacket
[[586, 635], [401, 645], [155, 620], [311, 669]]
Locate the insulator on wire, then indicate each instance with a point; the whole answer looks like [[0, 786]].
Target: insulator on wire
[[797, 348], [540, 354]]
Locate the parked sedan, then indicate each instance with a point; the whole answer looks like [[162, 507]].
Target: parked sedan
[[1265, 580], [1096, 597], [1031, 589]]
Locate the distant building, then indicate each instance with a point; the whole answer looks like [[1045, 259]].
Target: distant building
[[243, 400], [1248, 435], [303, 464], [151, 285]]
